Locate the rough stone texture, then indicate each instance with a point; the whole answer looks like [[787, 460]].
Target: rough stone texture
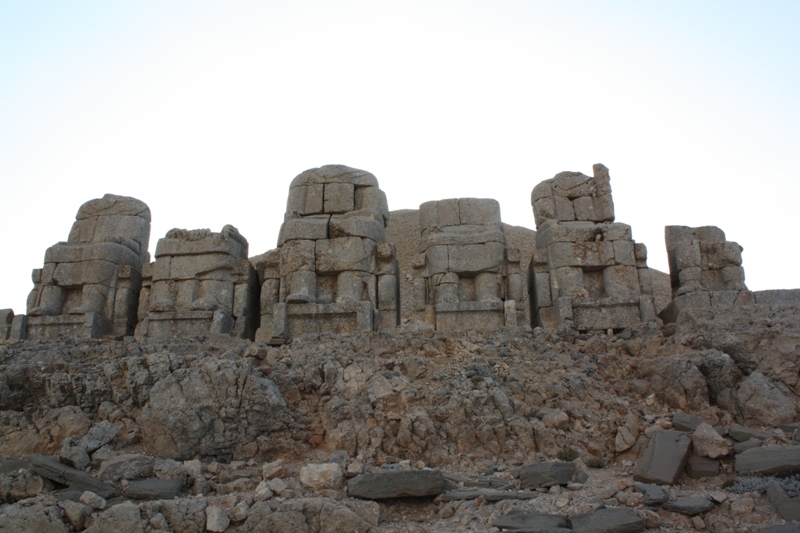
[[154, 489], [201, 283], [700, 467], [706, 442], [608, 521], [705, 270], [89, 286], [532, 521], [52, 469], [546, 475], [690, 506], [742, 433], [14, 519], [217, 519], [323, 476], [333, 270], [664, 458], [653, 494], [465, 276], [587, 272], [769, 460], [122, 518], [396, 484]]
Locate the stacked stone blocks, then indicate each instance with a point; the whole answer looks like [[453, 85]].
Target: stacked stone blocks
[[466, 277], [332, 270], [586, 272], [201, 283], [705, 270], [89, 286]]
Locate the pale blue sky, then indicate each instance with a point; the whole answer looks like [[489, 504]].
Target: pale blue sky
[[207, 110]]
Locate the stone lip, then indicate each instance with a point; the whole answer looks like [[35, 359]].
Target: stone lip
[[396, 484]]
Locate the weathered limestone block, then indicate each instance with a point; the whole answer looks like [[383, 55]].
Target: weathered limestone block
[[587, 272], [332, 270], [705, 270], [89, 286], [465, 276], [201, 283], [6, 320]]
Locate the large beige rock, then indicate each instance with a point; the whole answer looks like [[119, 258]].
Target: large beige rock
[[122, 518], [706, 442], [322, 476]]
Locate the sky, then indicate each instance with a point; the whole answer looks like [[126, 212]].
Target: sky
[[206, 110]]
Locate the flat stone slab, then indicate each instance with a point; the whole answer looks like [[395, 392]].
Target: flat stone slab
[[653, 494], [769, 460], [741, 433], [664, 459], [396, 484], [611, 520], [532, 521], [788, 508], [788, 527], [690, 506], [154, 489], [546, 475], [699, 467], [54, 470]]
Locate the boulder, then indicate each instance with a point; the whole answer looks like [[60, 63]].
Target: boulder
[[217, 519], [396, 484], [34, 519], [322, 476], [546, 475], [764, 401], [664, 459], [122, 518], [706, 442], [769, 460], [127, 466], [611, 520]]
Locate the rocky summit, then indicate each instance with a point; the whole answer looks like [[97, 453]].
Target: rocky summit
[[416, 371]]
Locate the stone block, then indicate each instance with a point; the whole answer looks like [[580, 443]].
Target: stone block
[[541, 190], [566, 281], [544, 209], [621, 281], [567, 232], [531, 521], [297, 256], [769, 460], [604, 208], [374, 199], [479, 211], [664, 458], [653, 494], [623, 253], [690, 506], [153, 489], [474, 258], [545, 475], [612, 519], [700, 467], [335, 174], [396, 484], [339, 197], [645, 280], [450, 316], [357, 226], [345, 254], [565, 211], [541, 290], [584, 208], [616, 231], [585, 255], [307, 228], [604, 314]]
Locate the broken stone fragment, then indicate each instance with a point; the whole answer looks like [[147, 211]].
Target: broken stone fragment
[[396, 484], [664, 459], [546, 475]]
